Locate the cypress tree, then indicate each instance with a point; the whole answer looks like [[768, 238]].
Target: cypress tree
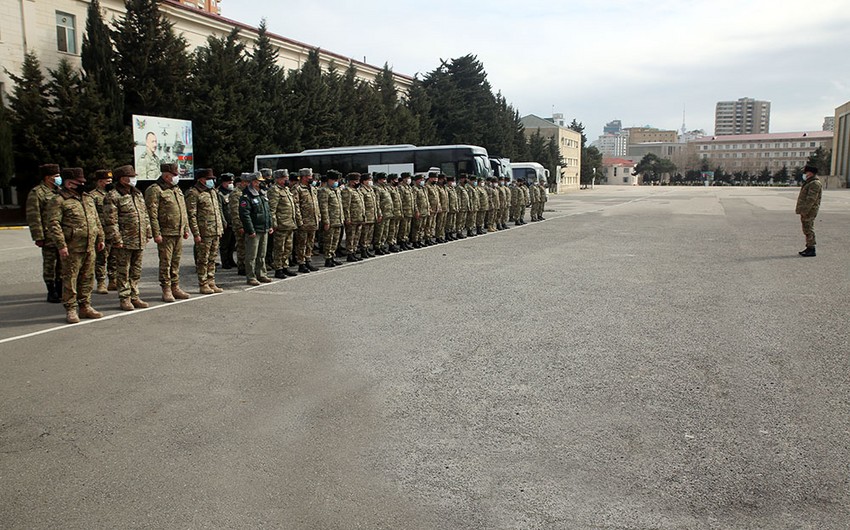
[[30, 119], [152, 65], [269, 108], [419, 104], [312, 104], [371, 116]]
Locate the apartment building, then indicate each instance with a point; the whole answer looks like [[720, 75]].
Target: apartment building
[[753, 152], [744, 116], [569, 144]]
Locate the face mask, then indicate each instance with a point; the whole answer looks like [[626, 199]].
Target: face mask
[[422, 183], [315, 184], [474, 183], [133, 181], [407, 181], [175, 179], [229, 187], [209, 184], [58, 180], [369, 184], [454, 184], [336, 184]]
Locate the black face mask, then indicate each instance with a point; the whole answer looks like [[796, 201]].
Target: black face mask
[[110, 186]]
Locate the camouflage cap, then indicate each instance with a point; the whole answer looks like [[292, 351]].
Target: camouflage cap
[[293, 177], [103, 174], [168, 168], [124, 171], [305, 172], [281, 173], [48, 170], [450, 178], [73, 173]]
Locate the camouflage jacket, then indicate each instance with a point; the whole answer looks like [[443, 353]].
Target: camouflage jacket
[[444, 198], [126, 217], [451, 199], [472, 205], [506, 196], [385, 199], [516, 195], [99, 195], [395, 195], [73, 222], [423, 207], [408, 200], [808, 201], [371, 208], [166, 209], [352, 205], [526, 195], [433, 198], [233, 208], [308, 204], [330, 206], [493, 195], [462, 199], [37, 202], [204, 212], [286, 215], [483, 198], [534, 193]]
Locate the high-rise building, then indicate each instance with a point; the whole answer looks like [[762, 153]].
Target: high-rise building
[[612, 127], [745, 116], [829, 123]]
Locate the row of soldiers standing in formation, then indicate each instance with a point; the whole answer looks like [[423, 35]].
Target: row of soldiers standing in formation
[[91, 231]]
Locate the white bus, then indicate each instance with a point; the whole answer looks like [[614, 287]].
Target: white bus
[[450, 159], [531, 172]]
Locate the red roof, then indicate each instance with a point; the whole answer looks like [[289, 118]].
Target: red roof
[[617, 162]]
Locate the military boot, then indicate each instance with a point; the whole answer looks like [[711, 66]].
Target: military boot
[[310, 266], [71, 316], [216, 289], [87, 311], [203, 288], [179, 293], [101, 287], [329, 263], [278, 273], [52, 295], [288, 272], [125, 305], [303, 268], [167, 295], [809, 252], [351, 258], [112, 285], [138, 303]]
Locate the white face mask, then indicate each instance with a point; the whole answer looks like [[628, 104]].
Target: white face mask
[[407, 181], [229, 187], [175, 179], [133, 181]]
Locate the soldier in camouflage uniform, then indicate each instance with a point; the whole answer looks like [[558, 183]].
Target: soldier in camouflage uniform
[[308, 203], [286, 218], [422, 211], [227, 243], [544, 198], [236, 223], [472, 211], [462, 207], [505, 190], [332, 216], [483, 206], [206, 224], [434, 208], [37, 202], [74, 229], [371, 215], [104, 266], [444, 208], [385, 204], [495, 205], [408, 210], [397, 216], [535, 200], [354, 213], [808, 204], [451, 208], [169, 223], [128, 229]]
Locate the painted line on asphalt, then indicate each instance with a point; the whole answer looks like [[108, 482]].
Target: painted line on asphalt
[[276, 281]]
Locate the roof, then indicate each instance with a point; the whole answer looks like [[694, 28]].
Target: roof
[[617, 162], [224, 20], [815, 135]]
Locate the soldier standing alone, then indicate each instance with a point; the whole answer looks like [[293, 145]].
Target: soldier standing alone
[[808, 204]]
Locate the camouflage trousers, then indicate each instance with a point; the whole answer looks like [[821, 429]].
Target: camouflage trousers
[[506, 214], [104, 264], [77, 279], [367, 230], [170, 252], [432, 225], [404, 229], [392, 235], [283, 242], [304, 240], [809, 230], [205, 254], [490, 220], [536, 210], [441, 225], [451, 222], [460, 221], [519, 213], [255, 255], [128, 271], [471, 216], [480, 217], [417, 228], [352, 237], [240, 249], [51, 265], [331, 241]]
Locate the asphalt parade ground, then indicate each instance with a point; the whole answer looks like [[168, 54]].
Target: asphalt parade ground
[[646, 358]]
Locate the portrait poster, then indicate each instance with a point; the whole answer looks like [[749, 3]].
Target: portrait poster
[[162, 141]]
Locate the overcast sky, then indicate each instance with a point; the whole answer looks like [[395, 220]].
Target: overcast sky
[[640, 61]]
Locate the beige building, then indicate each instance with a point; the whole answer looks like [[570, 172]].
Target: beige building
[[569, 144], [753, 152], [54, 29], [841, 145], [642, 135], [618, 171], [745, 116]]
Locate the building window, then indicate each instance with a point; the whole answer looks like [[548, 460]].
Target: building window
[[66, 32]]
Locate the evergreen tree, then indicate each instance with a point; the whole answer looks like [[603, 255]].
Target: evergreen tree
[[152, 64], [270, 108], [371, 116], [225, 131], [764, 175], [30, 119], [419, 105], [312, 104], [7, 152], [821, 159]]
